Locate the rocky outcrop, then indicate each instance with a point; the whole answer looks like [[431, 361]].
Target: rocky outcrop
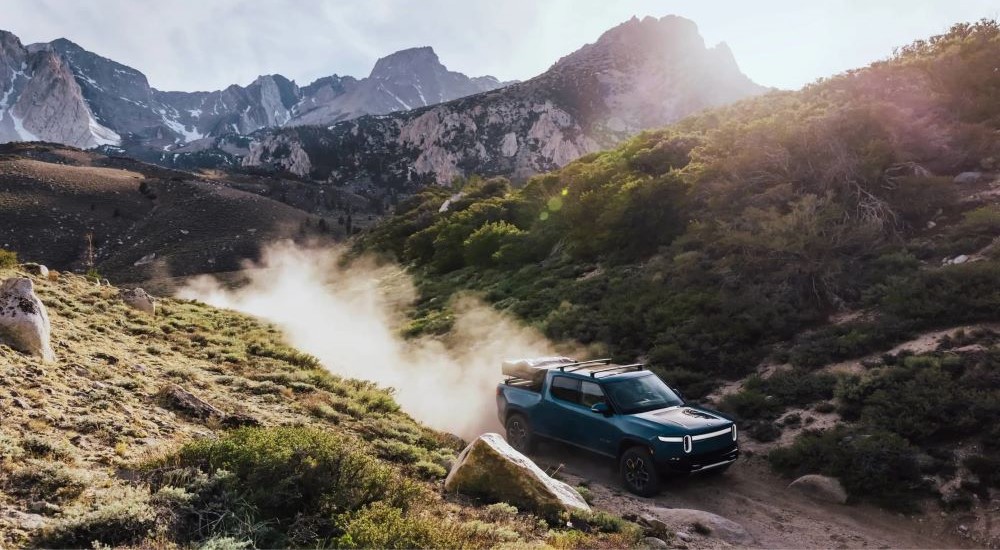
[[24, 321], [183, 401], [489, 468], [668, 520], [823, 488], [41, 100], [279, 152], [138, 299]]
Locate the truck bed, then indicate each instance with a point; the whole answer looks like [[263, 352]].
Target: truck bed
[[523, 384]]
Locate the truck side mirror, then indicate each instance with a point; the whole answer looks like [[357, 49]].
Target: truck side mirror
[[601, 408]]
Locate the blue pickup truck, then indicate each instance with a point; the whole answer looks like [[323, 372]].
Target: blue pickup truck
[[621, 411]]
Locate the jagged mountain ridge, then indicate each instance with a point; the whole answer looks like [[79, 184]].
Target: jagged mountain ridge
[[639, 75], [40, 98], [60, 92]]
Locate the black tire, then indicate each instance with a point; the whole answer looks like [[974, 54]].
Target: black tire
[[638, 472], [519, 433]]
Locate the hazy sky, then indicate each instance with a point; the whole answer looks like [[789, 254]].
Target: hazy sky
[[208, 44]]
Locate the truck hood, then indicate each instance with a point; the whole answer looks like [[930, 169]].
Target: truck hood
[[689, 420]]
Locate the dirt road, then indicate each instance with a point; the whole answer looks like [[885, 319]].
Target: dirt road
[[751, 495]]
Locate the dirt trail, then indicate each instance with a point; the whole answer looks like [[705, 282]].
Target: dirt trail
[[751, 495]]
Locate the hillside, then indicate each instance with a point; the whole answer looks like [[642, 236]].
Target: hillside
[[149, 222], [98, 446], [772, 238]]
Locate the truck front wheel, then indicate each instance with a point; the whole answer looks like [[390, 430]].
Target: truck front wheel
[[638, 472], [519, 433]]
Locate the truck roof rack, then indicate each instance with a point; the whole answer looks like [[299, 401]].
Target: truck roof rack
[[582, 364], [634, 366]]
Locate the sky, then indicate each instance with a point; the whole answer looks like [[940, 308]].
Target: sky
[[208, 44]]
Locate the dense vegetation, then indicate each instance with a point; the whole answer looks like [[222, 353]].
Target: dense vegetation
[[703, 244], [742, 234]]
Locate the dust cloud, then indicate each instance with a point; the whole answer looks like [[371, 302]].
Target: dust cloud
[[349, 318]]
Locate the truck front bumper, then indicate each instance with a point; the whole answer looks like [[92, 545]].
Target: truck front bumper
[[693, 463]]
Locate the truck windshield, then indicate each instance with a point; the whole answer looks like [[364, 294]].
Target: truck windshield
[[645, 393]]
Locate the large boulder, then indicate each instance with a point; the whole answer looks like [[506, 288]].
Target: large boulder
[[24, 322], [137, 298], [966, 178], [687, 520], [36, 269], [817, 487], [489, 468]]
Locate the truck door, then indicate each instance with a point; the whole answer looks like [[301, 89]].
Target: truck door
[[555, 414], [598, 430]]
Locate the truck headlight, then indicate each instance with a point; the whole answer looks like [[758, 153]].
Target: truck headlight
[[734, 432], [688, 443], [670, 439]]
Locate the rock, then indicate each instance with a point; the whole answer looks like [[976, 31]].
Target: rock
[[653, 523], [653, 542], [147, 259], [182, 400], [24, 322], [968, 177], [28, 522], [138, 299], [490, 468], [239, 420], [960, 259], [931, 225], [682, 519], [684, 536], [819, 487], [36, 269]]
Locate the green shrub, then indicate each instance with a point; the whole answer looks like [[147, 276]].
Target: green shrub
[[43, 447], [917, 399], [382, 526], [482, 247], [125, 518], [602, 522], [500, 511], [284, 353], [751, 404], [41, 479], [398, 451], [430, 470], [986, 468], [285, 478], [8, 259], [871, 464]]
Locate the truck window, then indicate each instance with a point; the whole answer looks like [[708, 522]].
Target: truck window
[[566, 389], [591, 394]]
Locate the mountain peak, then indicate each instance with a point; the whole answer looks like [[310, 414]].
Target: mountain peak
[[406, 61], [65, 44]]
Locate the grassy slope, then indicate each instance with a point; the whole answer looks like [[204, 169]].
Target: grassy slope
[[75, 435]]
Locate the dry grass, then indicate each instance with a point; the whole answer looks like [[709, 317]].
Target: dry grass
[[74, 432]]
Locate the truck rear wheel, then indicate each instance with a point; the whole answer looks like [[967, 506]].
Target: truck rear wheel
[[638, 472], [519, 433]]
